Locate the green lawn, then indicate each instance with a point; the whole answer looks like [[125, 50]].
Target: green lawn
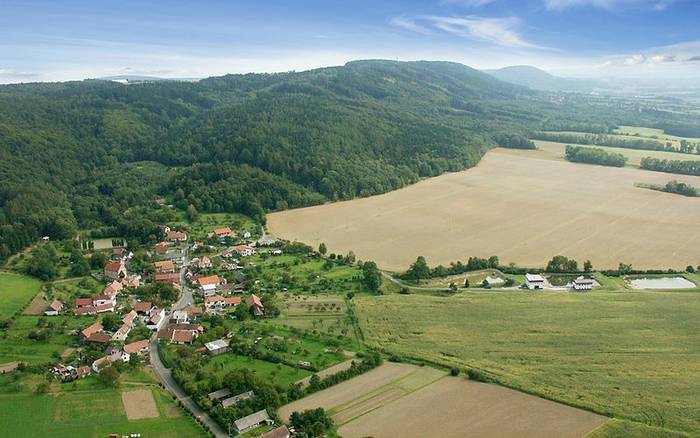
[[89, 413], [278, 373], [15, 292], [16, 346], [632, 355]]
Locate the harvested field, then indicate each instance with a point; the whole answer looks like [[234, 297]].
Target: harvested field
[[454, 407], [139, 404], [37, 306], [349, 390], [367, 405], [521, 208], [7, 367], [342, 366]]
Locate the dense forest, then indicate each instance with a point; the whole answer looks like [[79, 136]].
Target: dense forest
[[92, 155]]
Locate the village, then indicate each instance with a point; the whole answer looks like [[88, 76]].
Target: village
[[217, 297]]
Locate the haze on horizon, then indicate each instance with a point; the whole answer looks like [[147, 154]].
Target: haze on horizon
[[646, 40]]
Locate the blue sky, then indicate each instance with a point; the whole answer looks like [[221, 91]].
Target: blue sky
[[70, 39]]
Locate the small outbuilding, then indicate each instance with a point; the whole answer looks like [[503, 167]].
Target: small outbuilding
[[582, 283], [534, 281], [245, 424], [216, 347]]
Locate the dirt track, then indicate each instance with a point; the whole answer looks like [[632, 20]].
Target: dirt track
[[519, 207]]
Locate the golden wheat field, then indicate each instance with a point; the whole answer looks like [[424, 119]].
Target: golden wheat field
[[515, 205]]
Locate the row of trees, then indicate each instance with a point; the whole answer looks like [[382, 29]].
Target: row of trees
[[671, 166], [420, 270], [580, 154], [684, 146]]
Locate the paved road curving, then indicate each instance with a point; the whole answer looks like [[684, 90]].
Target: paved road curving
[[171, 385]]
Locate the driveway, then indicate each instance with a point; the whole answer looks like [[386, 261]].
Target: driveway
[[171, 385]]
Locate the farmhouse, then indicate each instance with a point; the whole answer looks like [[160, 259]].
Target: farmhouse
[[216, 347], [102, 300], [129, 318], [534, 281], [176, 236], [99, 338], [137, 347], [245, 424], [255, 305], [164, 267], [121, 334], [214, 302], [143, 308], [209, 283], [180, 317], [280, 432], [161, 248], [54, 308], [115, 269], [222, 233], [583, 283], [203, 263], [172, 278], [180, 333], [113, 288], [244, 250], [89, 330]]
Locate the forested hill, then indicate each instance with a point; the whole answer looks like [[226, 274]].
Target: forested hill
[[94, 154]]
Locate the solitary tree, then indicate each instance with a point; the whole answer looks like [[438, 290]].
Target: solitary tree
[[466, 282], [418, 270], [322, 248], [587, 266], [371, 277]]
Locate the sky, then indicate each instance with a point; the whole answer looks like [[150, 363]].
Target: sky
[[71, 40]]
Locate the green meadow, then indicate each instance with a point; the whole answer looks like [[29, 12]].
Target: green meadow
[[633, 355], [15, 292]]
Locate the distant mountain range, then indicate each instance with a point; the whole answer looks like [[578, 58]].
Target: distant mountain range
[[537, 79], [140, 78]]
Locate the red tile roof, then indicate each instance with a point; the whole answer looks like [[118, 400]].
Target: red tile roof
[[182, 336], [100, 338], [232, 301], [212, 279], [135, 347], [94, 328], [83, 302], [253, 300], [114, 266], [143, 307]]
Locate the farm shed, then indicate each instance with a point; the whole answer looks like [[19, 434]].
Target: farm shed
[[216, 347], [583, 284], [534, 281], [245, 424]]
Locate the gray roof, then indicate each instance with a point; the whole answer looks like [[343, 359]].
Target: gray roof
[[237, 398], [215, 345], [252, 420], [219, 394]]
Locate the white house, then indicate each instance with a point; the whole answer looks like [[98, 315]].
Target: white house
[[583, 284], [244, 250], [216, 347], [180, 316], [121, 334], [534, 281], [209, 283]]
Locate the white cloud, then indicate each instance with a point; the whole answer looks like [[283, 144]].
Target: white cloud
[[635, 59], [658, 59], [470, 3], [558, 5], [498, 31]]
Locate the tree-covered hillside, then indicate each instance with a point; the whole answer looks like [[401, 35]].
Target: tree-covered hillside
[[90, 154]]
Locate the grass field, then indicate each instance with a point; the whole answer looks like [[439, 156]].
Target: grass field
[[16, 346], [521, 208], [89, 413], [653, 133], [279, 373], [632, 355], [15, 292], [555, 151]]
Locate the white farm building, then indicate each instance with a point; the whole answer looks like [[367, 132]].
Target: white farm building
[[534, 281]]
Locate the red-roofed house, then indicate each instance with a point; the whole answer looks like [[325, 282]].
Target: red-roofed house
[[113, 288], [210, 282], [102, 300], [129, 318], [214, 302], [99, 338], [83, 302], [254, 303], [232, 301], [176, 236], [222, 233], [115, 269], [164, 267], [144, 307], [161, 248], [244, 250], [137, 347], [91, 329], [172, 278]]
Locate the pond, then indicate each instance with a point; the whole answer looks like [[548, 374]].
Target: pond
[[662, 283]]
